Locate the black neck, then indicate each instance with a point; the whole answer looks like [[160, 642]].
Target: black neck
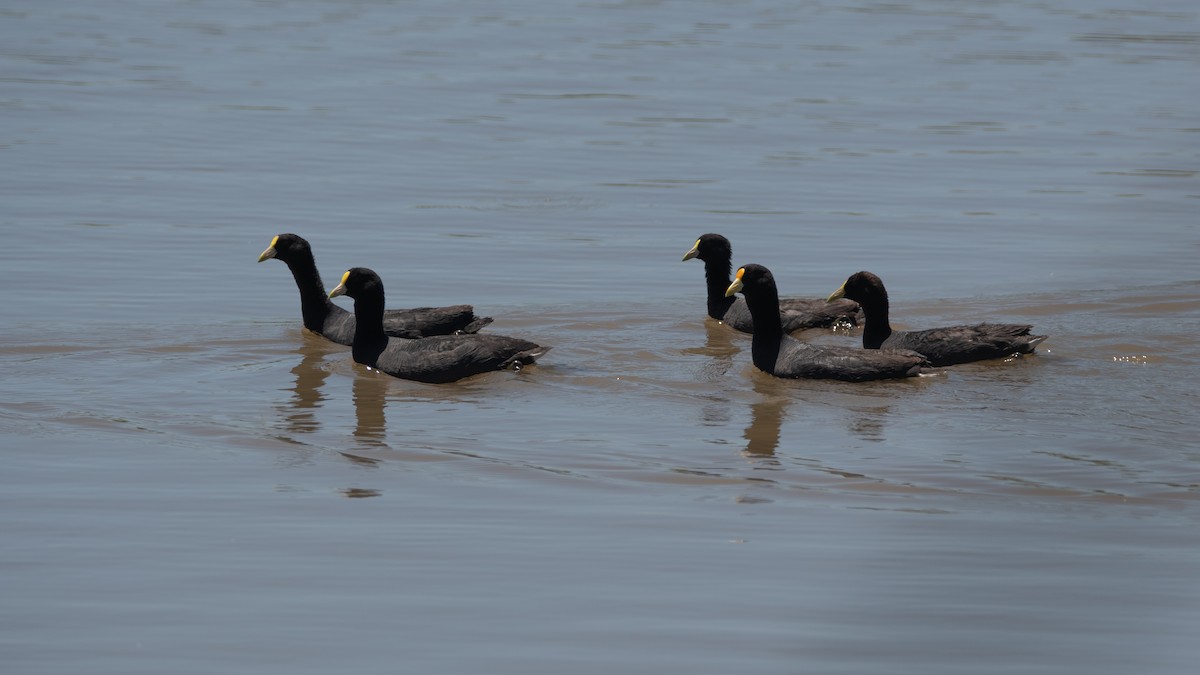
[[716, 273], [876, 328], [763, 304], [369, 338], [315, 305]]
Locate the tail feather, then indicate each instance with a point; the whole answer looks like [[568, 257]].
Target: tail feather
[[527, 356], [476, 325]]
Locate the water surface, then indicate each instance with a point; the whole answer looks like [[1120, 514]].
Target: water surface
[[192, 483]]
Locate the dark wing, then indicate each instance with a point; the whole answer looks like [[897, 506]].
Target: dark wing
[[737, 316], [339, 326], [828, 362], [797, 314], [426, 321], [446, 358], [801, 313], [962, 344]]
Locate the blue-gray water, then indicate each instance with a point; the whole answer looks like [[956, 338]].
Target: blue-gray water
[[193, 484]]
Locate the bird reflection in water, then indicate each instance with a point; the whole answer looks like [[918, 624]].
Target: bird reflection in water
[[359, 493], [719, 346], [867, 423], [767, 413], [369, 394], [766, 417], [370, 426], [299, 414]]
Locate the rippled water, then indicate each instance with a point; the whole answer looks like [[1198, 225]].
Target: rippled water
[[193, 483]]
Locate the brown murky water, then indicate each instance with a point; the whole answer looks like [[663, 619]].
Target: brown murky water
[[194, 484]]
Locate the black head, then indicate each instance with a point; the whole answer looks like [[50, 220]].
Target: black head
[[287, 247], [861, 287], [710, 247], [358, 282], [751, 279]]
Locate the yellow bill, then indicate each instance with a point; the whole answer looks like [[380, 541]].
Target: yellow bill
[[270, 252], [737, 283], [838, 294], [340, 289], [694, 252]]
